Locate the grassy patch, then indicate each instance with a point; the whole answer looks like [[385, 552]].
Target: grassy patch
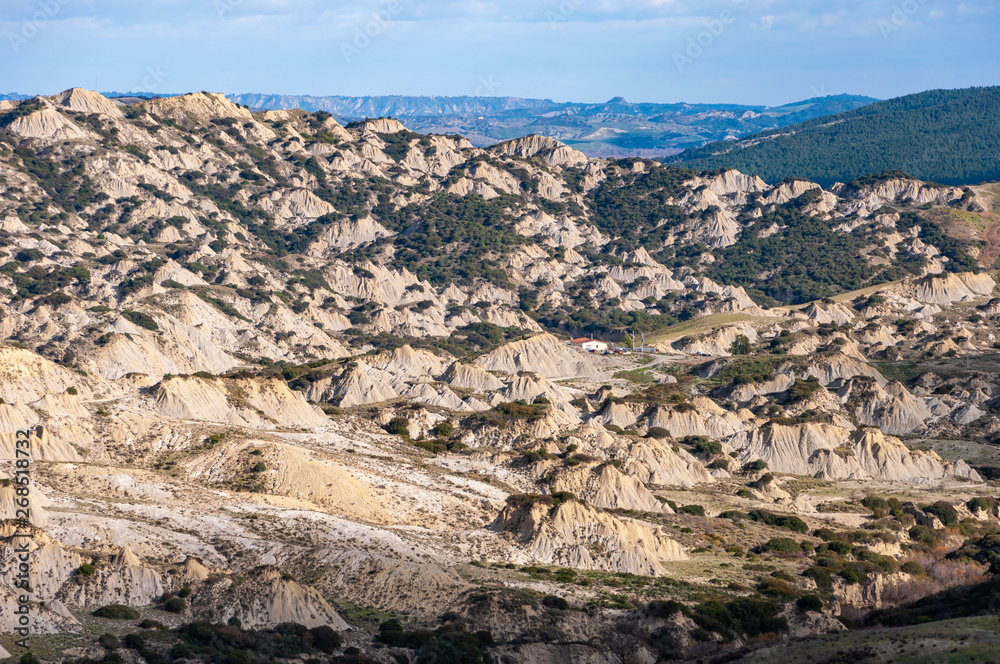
[[637, 376]]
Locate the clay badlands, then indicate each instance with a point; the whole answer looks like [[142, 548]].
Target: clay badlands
[[300, 391]]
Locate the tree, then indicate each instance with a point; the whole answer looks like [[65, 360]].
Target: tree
[[740, 346]]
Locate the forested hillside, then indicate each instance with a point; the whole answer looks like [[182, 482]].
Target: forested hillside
[[947, 136]]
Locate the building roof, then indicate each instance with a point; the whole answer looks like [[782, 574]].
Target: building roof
[[584, 340]]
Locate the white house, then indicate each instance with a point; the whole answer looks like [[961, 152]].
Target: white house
[[591, 345]]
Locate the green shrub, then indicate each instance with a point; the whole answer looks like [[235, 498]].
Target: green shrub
[[151, 624], [943, 511], [109, 642], [444, 429], [783, 545], [792, 523], [664, 608], [840, 548], [746, 615], [777, 588], [140, 319], [755, 466], [981, 504], [810, 603], [878, 505], [913, 568], [116, 612], [325, 638], [134, 642], [704, 447], [693, 510], [822, 577], [565, 575], [439, 446], [658, 432], [86, 569], [398, 426], [803, 389], [740, 346], [175, 605], [850, 575], [554, 602]]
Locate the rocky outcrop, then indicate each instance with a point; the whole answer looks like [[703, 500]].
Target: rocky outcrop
[[471, 377], [831, 452], [578, 536], [948, 288], [542, 354], [551, 151], [892, 409], [703, 418], [653, 462], [249, 402], [121, 579], [362, 385], [716, 343], [604, 486], [79, 100], [267, 598]]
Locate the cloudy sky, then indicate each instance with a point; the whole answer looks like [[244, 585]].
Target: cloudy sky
[[737, 51]]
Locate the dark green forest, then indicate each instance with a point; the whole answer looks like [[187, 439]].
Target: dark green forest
[[946, 136]]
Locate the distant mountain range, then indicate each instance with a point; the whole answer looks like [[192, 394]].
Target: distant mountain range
[[616, 128], [947, 136]]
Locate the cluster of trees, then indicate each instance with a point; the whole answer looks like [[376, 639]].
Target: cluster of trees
[[807, 260], [946, 136], [636, 207], [450, 239]]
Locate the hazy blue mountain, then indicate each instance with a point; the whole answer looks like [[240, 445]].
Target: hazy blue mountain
[[615, 128]]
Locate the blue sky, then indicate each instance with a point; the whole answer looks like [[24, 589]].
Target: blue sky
[[736, 51]]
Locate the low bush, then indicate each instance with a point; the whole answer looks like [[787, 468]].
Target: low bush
[[398, 426], [746, 615], [140, 319], [981, 504], [809, 603], [943, 511], [116, 612], [664, 608], [553, 602], [792, 523], [109, 642], [783, 545], [325, 638], [175, 605]]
